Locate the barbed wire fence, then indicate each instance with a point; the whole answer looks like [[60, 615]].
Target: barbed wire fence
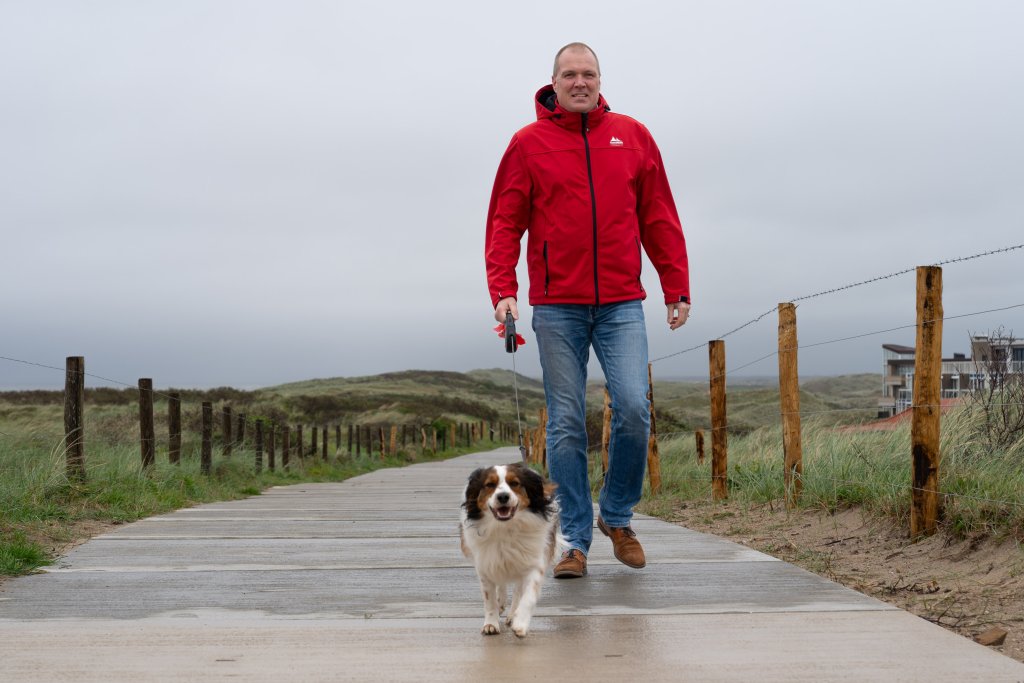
[[256, 433], [473, 434], [720, 376]]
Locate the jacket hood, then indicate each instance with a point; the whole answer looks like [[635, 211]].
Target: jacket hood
[[548, 108]]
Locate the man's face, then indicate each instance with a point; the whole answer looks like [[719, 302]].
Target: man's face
[[577, 81]]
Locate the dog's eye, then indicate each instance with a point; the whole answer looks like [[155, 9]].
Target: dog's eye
[[492, 485], [514, 484]]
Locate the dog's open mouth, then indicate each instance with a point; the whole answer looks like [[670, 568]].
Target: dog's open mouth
[[504, 512]]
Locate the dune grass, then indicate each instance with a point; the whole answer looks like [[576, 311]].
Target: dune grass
[[42, 509], [982, 491]]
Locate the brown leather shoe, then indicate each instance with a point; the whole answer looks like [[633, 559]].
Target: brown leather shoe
[[627, 549], [573, 565]]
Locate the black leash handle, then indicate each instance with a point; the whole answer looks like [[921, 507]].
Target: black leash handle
[[510, 333]]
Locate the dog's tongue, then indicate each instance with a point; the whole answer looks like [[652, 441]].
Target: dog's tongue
[[504, 512]]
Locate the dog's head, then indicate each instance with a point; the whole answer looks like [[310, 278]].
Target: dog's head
[[504, 490]]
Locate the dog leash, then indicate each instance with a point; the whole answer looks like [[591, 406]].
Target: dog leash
[[511, 344]]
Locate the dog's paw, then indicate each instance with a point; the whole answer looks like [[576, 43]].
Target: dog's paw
[[490, 630], [520, 630]]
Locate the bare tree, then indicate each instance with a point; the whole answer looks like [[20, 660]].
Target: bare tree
[[997, 389]]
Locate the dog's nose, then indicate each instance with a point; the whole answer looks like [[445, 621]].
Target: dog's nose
[[502, 497]]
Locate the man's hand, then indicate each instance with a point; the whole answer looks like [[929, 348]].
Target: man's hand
[[678, 313], [506, 305]]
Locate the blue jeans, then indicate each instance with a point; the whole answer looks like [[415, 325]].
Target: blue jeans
[[565, 333]]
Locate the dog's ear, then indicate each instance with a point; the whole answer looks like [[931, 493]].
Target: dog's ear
[[472, 493], [540, 497]]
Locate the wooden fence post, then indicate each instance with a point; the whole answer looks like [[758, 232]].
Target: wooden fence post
[[350, 440], [653, 457], [147, 432], [298, 443], [314, 442], [337, 439], [927, 406], [789, 398], [380, 430], [240, 431], [271, 445], [606, 430], [174, 427], [719, 440], [206, 449], [394, 440], [74, 417], [226, 428], [259, 446], [286, 445], [542, 439], [359, 439], [323, 446], [699, 436]]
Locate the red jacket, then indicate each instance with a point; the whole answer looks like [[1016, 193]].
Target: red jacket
[[589, 197]]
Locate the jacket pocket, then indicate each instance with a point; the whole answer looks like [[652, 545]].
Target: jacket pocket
[[547, 269], [639, 264]]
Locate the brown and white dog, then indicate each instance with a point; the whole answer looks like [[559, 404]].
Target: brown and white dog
[[510, 531]]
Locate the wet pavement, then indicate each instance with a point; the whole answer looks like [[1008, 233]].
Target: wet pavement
[[363, 580]]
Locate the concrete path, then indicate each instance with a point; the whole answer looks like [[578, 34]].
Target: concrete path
[[364, 581]]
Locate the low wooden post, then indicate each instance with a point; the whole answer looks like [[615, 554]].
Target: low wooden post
[[719, 422], [226, 429], [927, 406], [789, 398], [434, 440], [359, 439], [286, 445], [653, 457], [606, 430], [174, 427], [74, 417], [699, 436], [315, 442], [452, 436], [271, 446], [423, 434], [393, 450], [337, 439], [206, 448], [542, 438], [298, 443], [240, 430], [380, 431], [323, 445], [147, 432], [259, 446], [350, 440]]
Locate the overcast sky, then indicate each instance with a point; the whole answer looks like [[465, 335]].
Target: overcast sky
[[247, 193]]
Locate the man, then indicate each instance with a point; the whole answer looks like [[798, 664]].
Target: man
[[590, 188]]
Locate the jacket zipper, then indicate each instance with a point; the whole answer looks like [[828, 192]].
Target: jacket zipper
[[593, 202], [547, 269]]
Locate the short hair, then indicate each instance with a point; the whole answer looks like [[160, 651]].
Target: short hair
[[575, 46]]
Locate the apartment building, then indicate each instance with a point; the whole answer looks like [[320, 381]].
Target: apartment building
[[960, 374]]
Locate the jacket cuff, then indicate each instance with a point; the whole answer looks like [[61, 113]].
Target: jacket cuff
[[673, 299], [495, 298]]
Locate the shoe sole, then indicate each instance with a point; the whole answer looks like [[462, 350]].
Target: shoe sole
[[604, 530]]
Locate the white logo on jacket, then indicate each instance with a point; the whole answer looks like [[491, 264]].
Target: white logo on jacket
[[615, 141]]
